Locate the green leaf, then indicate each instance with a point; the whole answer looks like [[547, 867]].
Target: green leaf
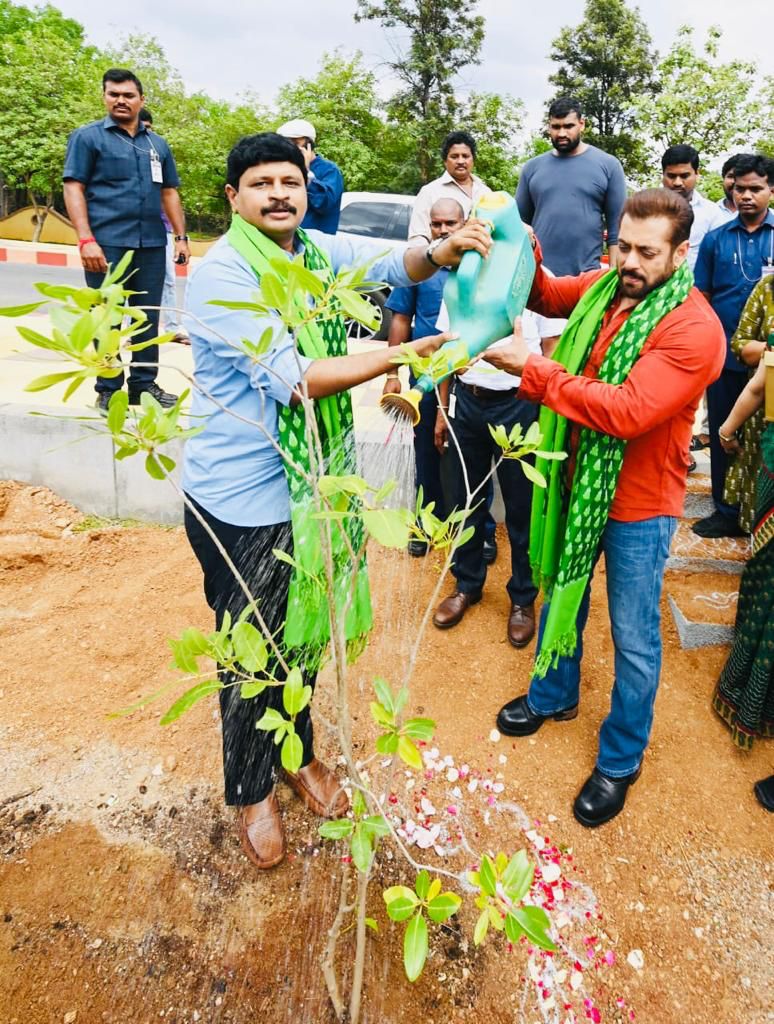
[[339, 829], [252, 689], [49, 380], [517, 877], [408, 753], [512, 928], [443, 906], [295, 696], [391, 527], [117, 409], [381, 716], [532, 474], [482, 927], [387, 743], [350, 484], [271, 720], [357, 307], [371, 923], [415, 946], [153, 468], [361, 850], [375, 826], [292, 753], [535, 923], [396, 891], [23, 310], [487, 877], [359, 806], [419, 728], [250, 648], [189, 698], [283, 556], [401, 700], [422, 884], [401, 909], [384, 693]]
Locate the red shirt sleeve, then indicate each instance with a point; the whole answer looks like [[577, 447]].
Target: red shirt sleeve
[[683, 355]]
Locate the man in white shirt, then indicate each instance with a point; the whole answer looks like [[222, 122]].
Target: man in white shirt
[[680, 173], [458, 181], [479, 397]]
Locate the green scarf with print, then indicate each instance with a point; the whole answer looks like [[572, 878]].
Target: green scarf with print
[[565, 530], [307, 622]]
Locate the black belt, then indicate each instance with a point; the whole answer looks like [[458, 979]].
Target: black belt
[[485, 394]]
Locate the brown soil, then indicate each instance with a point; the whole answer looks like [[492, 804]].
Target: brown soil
[[710, 597], [123, 893]]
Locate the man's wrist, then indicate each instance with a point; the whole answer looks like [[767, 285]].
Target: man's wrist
[[85, 241], [181, 238]]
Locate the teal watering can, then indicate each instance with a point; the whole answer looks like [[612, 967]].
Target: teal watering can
[[483, 297]]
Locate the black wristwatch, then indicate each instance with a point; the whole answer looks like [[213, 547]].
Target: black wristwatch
[[431, 249], [181, 238]]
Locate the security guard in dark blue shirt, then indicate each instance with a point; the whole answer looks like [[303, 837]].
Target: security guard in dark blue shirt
[[325, 182], [117, 176]]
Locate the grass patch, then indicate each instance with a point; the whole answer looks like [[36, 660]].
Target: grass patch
[[94, 522]]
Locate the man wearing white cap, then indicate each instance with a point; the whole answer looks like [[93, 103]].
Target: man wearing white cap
[[325, 184]]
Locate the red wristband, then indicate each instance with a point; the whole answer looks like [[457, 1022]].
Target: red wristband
[[85, 241]]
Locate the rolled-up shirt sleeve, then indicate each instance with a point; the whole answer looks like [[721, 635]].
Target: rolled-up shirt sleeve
[[386, 264], [79, 158]]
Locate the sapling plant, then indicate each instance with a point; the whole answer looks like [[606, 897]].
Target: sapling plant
[[91, 328]]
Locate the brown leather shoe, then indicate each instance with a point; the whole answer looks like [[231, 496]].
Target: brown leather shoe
[[452, 609], [521, 624], [261, 832], [320, 790]]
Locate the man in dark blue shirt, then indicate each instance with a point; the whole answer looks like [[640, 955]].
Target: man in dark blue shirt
[[732, 259], [117, 178], [325, 185]]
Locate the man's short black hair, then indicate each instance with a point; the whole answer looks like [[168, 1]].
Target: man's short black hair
[[145, 116], [731, 163], [458, 139], [754, 163], [565, 105], [119, 75], [263, 148], [680, 154]]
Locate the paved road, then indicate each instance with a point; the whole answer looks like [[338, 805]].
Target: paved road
[[17, 281]]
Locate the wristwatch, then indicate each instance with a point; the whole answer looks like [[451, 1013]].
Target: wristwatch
[[431, 249], [181, 238]]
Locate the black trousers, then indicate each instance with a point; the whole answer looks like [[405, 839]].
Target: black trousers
[[471, 421], [148, 267], [721, 397], [249, 754]]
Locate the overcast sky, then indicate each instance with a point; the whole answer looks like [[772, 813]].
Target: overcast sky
[[227, 48]]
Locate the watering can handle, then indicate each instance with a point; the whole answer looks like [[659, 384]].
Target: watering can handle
[[467, 276]]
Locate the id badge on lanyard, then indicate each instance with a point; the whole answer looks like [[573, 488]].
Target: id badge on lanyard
[[155, 162]]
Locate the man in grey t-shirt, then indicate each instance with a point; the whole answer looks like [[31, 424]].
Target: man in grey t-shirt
[[571, 194]]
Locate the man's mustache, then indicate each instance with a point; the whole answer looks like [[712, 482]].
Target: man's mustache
[[278, 208]]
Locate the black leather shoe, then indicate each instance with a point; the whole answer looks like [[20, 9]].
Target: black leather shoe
[[490, 551], [718, 525], [417, 548], [764, 792], [517, 719], [164, 398], [602, 798], [103, 402]]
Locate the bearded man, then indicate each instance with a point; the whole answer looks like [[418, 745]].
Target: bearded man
[[619, 397]]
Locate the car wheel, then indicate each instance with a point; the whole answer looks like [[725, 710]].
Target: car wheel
[[359, 332]]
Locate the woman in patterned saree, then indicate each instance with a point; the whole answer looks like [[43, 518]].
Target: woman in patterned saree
[[744, 696]]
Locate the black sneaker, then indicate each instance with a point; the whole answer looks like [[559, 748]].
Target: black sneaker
[[718, 525], [490, 551], [103, 401], [164, 398]]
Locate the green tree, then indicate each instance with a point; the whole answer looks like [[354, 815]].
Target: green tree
[[496, 123], [606, 61], [444, 36], [48, 87], [342, 104], [702, 101]]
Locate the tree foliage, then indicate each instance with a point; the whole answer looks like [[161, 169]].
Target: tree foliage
[[606, 61], [702, 101], [444, 36]]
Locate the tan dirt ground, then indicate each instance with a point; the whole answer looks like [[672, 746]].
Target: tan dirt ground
[[123, 893]]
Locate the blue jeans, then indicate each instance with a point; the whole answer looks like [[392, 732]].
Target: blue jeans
[[635, 556]]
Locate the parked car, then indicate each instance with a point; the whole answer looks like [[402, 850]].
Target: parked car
[[385, 217]]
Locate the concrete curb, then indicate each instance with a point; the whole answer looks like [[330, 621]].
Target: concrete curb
[[699, 634], [44, 254]]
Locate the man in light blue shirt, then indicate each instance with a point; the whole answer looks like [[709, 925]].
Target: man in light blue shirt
[[235, 475]]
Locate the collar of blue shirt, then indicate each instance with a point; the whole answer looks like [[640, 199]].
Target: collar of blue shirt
[[108, 122], [736, 224]]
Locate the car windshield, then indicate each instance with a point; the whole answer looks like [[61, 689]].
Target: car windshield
[[376, 220]]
